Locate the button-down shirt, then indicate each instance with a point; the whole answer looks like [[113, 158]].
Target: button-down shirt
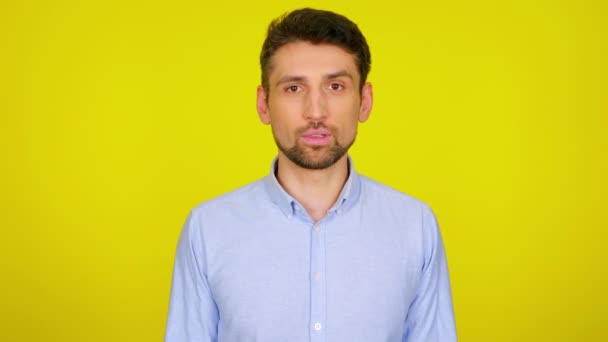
[[251, 265]]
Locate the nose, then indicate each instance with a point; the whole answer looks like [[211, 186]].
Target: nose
[[316, 106]]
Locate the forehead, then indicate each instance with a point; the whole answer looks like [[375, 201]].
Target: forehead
[[309, 60]]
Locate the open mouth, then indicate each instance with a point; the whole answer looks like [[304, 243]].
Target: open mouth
[[316, 139]]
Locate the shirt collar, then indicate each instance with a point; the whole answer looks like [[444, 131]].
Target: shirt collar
[[348, 196]]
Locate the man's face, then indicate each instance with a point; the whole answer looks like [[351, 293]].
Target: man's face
[[313, 103]]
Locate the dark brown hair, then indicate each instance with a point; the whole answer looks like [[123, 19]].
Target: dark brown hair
[[316, 27]]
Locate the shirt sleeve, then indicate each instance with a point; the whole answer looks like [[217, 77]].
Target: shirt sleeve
[[431, 316], [193, 314]]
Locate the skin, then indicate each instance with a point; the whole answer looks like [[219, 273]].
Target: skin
[[314, 86]]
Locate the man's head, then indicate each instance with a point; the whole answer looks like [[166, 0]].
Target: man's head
[[316, 27], [314, 66]]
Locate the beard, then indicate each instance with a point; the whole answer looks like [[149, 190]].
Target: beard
[[315, 157]]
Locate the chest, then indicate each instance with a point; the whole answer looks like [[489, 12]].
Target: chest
[[291, 280]]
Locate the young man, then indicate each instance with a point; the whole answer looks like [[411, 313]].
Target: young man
[[314, 251]]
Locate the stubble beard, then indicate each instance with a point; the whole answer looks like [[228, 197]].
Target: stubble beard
[[315, 157]]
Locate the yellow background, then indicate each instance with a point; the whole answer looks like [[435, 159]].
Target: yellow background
[[116, 118]]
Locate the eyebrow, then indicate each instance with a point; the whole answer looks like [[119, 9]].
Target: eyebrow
[[341, 73], [331, 76], [290, 78]]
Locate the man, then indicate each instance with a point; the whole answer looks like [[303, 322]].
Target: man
[[314, 251]]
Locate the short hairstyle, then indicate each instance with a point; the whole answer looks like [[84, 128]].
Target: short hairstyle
[[317, 27]]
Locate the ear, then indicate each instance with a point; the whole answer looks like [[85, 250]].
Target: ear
[[262, 105], [367, 99]]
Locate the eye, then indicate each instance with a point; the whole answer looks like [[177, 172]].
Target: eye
[[293, 89], [336, 86]]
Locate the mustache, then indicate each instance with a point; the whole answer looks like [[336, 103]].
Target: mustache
[[316, 125]]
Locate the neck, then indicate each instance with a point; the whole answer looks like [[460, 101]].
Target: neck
[[316, 190]]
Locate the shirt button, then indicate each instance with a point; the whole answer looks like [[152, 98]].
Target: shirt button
[[317, 326], [317, 228], [317, 275]]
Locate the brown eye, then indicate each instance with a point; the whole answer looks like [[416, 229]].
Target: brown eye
[[336, 86], [293, 88]]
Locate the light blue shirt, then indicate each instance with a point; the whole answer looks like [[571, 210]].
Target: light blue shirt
[[251, 265]]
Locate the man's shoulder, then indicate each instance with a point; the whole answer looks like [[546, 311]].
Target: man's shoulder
[[251, 194], [377, 192]]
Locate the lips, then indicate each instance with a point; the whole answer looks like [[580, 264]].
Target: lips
[[318, 132], [318, 136]]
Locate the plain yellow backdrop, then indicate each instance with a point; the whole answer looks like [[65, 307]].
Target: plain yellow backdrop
[[118, 117]]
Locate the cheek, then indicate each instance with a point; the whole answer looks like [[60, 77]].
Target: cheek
[[345, 115], [350, 130], [345, 104], [284, 110], [282, 126]]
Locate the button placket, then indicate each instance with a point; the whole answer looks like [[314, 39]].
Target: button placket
[[317, 283]]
